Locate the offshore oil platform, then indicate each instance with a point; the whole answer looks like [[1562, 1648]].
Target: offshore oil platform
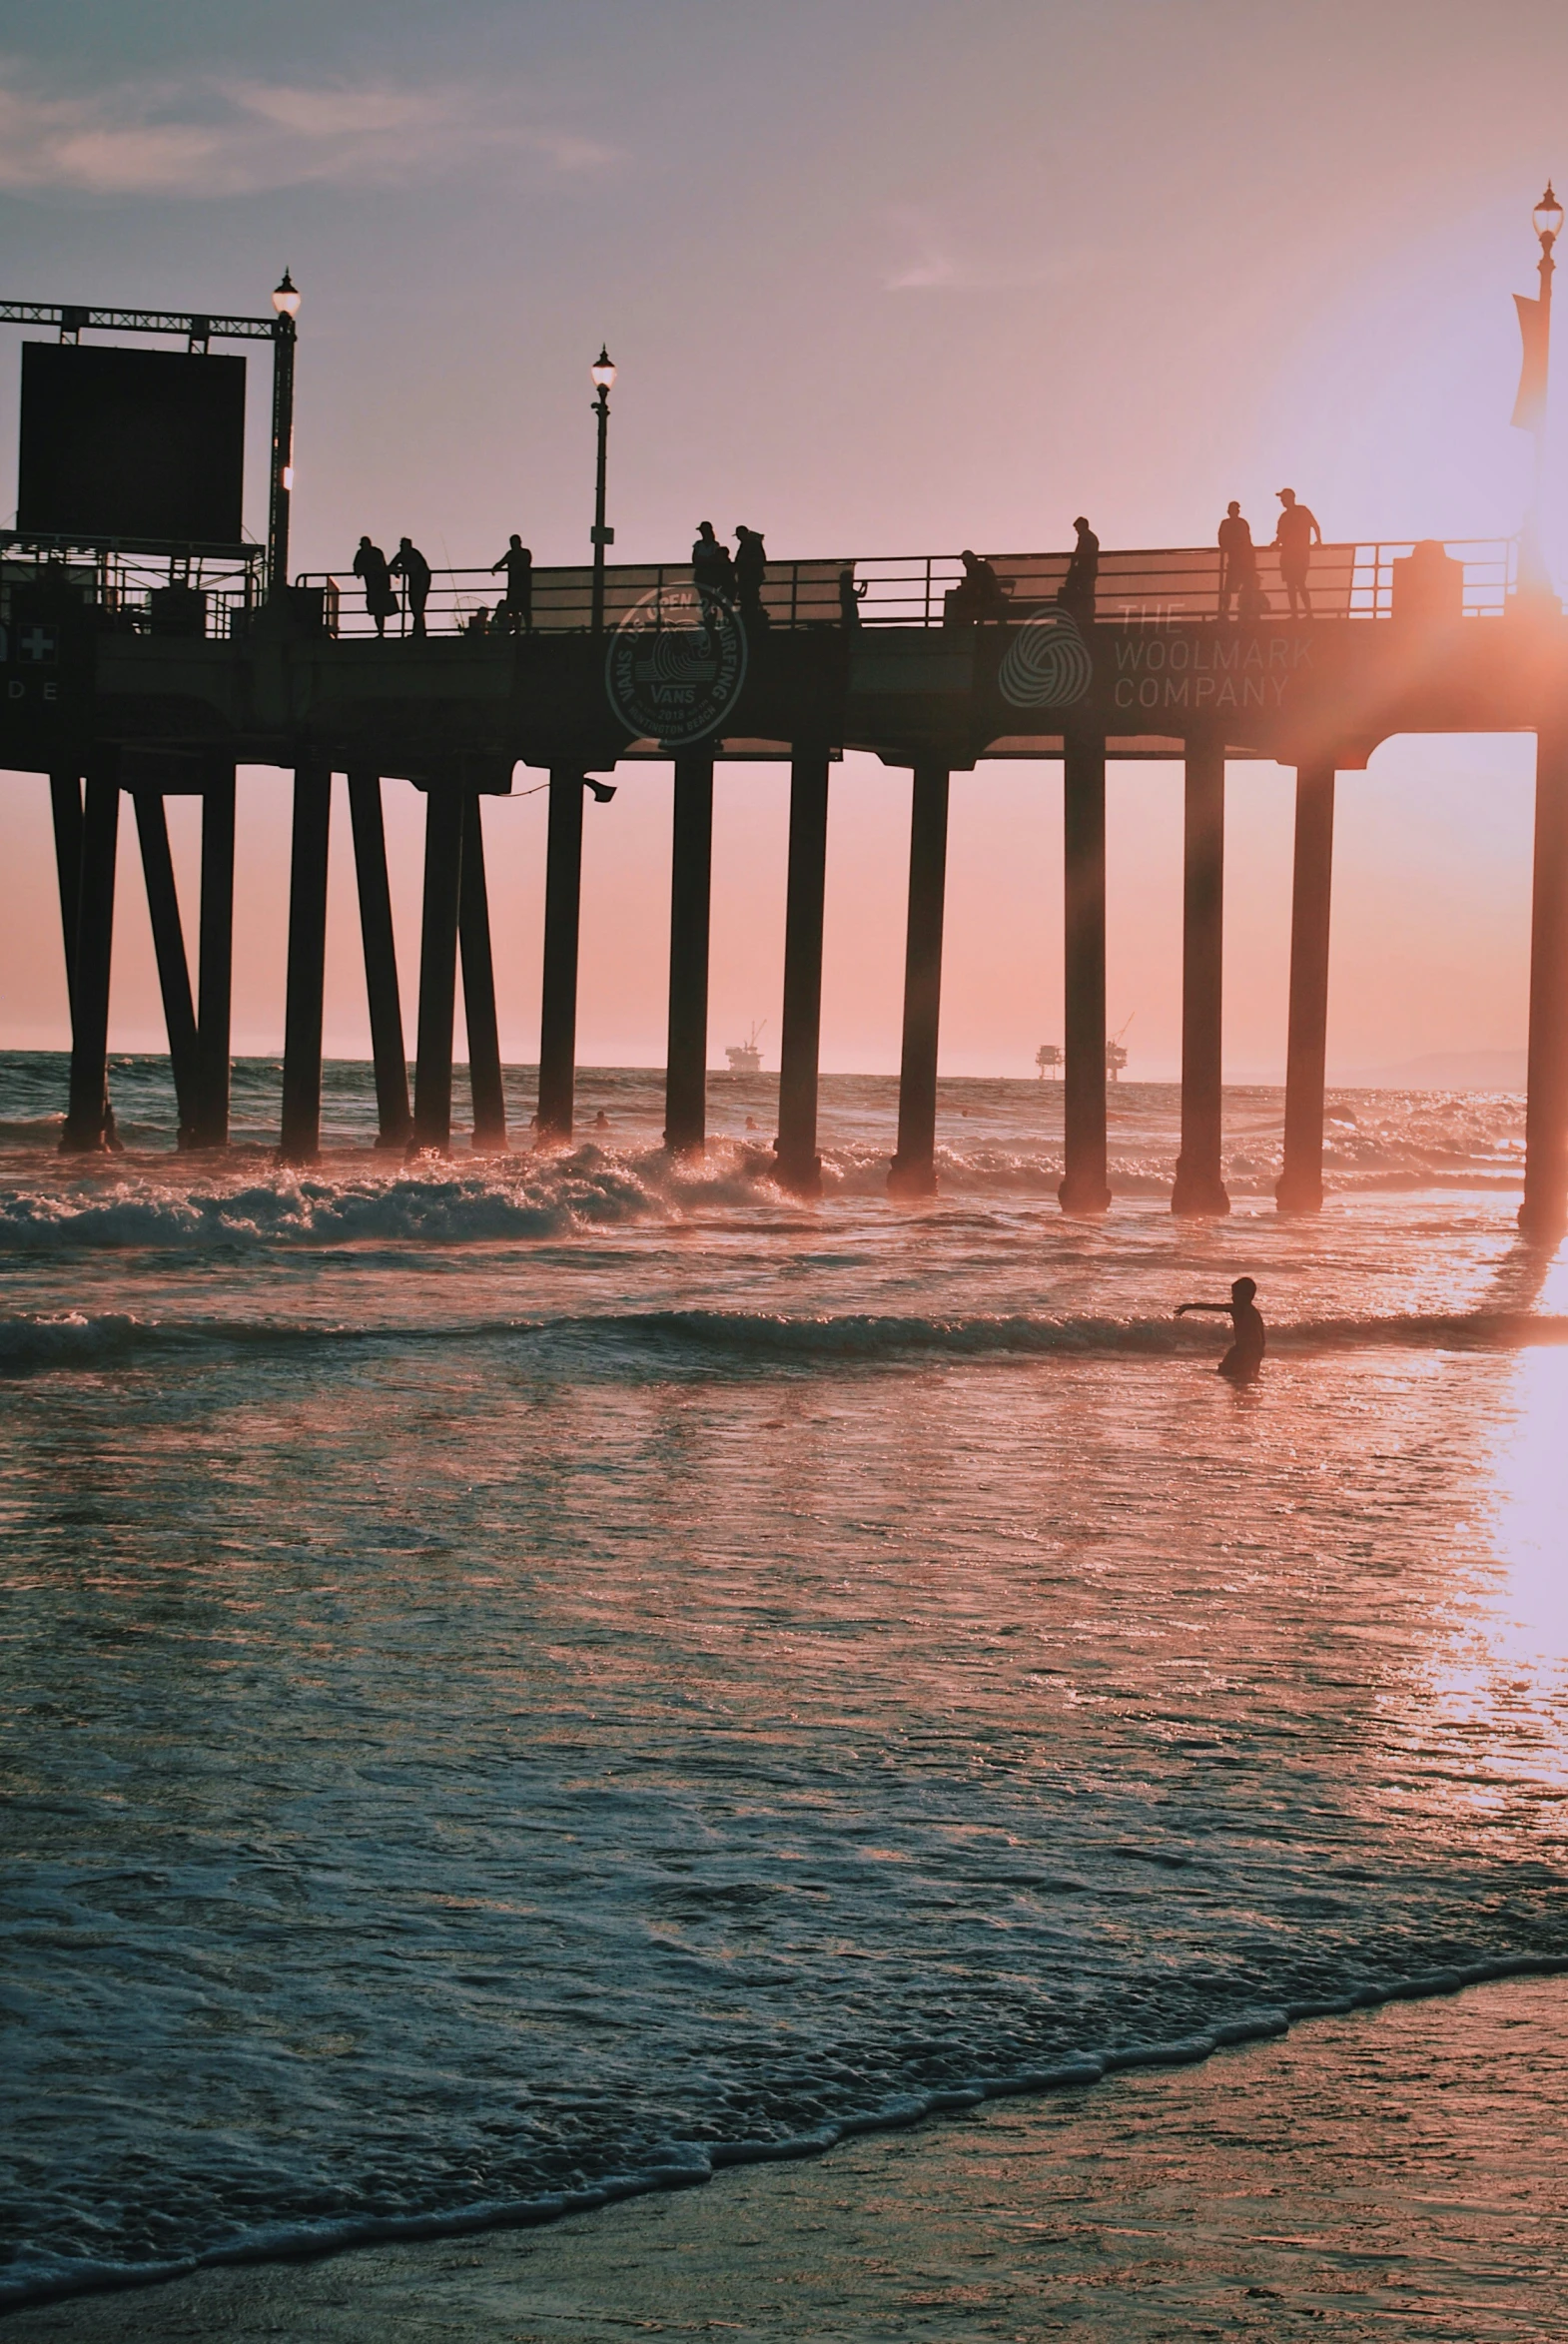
[[148, 651]]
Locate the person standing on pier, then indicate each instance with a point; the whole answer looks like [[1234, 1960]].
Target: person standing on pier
[[518, 563], [1082, 571], [751, 569], [852, 592], [712, 571], [1296, 536], [381, 595], [409, 564], [1238, 564]]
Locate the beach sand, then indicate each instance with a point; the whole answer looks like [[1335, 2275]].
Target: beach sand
[[1397, 2173]]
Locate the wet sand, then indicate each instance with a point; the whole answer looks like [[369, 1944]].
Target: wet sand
[[1395, 2174]]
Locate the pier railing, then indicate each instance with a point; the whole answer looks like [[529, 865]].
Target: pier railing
[[216, 593]]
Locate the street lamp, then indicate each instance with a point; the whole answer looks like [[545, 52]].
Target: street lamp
[[602, 375], [286, 302]]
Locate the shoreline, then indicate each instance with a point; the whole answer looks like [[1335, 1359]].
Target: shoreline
[[304, 2248]]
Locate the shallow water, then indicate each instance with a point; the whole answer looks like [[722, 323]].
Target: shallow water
[[523, 1676]]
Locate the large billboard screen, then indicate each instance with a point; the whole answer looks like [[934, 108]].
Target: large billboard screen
[[130, 444]]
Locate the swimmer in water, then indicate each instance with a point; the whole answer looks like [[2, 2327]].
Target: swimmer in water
[[1245, 1356]]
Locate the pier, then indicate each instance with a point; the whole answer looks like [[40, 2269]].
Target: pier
[[112, 695]]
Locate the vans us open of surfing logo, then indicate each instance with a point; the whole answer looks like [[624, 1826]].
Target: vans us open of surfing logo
[[1047, 664], [676, 665]]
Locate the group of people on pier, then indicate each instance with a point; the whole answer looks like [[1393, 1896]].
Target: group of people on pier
[[735, 580]]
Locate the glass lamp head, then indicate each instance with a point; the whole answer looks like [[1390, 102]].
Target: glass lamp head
[[286, 298], [1548, 216], [602, 372]]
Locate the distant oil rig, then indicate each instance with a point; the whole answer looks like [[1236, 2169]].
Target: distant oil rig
[[745, 1058], [1050, 1056]]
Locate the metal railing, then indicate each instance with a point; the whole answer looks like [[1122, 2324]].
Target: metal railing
[[204, 591], [1137, 588]]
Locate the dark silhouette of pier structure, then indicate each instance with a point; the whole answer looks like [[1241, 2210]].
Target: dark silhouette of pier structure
[[117, 692]]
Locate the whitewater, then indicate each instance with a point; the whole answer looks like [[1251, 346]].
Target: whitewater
[[532, 1678]]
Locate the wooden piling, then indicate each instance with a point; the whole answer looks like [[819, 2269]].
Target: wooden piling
[[1084, 1187], [1301, 1185], [87, 1123], [395, 1118], [799, 1166], [444, 821], [307, 969], [478, 989], [563, 920], [1543, 1215], [913, 1172], [214, 981], [1200, 1175], [691, 879], [174, 976]]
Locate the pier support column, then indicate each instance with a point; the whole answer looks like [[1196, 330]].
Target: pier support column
[[563, 920], [1544, 1212], [444, 807], [65, 806], [215, 978], [478, 991], [913, 1172], [692, 881], [88, 1127], [393, 1116], [1084, 1188], [1301, 1185], [1199, 1181], [799, 1166], [174, 976], [302, 1020]]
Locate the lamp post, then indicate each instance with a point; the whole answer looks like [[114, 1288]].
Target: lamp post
[[602, 375], [286, 302]]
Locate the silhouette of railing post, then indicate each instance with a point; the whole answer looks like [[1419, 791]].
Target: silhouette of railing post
[[1083, 1188], [444, 825], [913, 1172], [478, 989], [1301, 1185], [563, 920], [215, 967], [393, 1114], [307, 973], [1544, 1212], [1199, 1181], [799, 1166], [691, 877], [173, 975], [87, 1123]]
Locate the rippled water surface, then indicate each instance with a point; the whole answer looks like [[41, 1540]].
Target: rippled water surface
[[520, 1676]]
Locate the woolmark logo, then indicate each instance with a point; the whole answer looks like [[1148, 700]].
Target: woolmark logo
[[1047, 664], [676, 665]]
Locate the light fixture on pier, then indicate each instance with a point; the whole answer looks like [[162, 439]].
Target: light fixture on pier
[[601, 792], [286, 297], [1548, 218], [602, 372]]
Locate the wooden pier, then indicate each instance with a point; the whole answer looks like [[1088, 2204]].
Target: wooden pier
[[108, 704]]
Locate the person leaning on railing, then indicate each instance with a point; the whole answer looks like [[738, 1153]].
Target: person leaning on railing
[[381, 595], [516, 611]]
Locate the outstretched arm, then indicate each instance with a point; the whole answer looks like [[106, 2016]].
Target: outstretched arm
[[1223, 1310]]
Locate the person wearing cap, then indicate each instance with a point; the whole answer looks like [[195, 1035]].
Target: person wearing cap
[[1077, 590], [1296, 535]]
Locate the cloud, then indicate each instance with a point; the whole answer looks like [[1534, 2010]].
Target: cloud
[[940, 265], [226, 137]]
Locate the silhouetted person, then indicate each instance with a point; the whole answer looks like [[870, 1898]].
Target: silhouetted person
[[1082, 571], [601, 1122], [478, 621], [1296, 536], [1245, 1356], [981, 594], [1237, 562], [751, 569], [851, 596], [409, 564], [712, 571], [518, 563], [380, 596]]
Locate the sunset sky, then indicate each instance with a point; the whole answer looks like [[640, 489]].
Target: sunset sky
[[881, 277]]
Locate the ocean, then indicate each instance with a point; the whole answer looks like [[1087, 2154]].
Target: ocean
[[531, 1680]]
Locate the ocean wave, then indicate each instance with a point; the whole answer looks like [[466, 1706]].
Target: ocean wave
[[682, 2165], [724, 1340]]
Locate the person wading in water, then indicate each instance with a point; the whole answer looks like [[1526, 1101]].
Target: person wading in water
[[1245, 1356]]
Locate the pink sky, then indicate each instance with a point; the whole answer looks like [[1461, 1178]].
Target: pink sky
[[901, 277]]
